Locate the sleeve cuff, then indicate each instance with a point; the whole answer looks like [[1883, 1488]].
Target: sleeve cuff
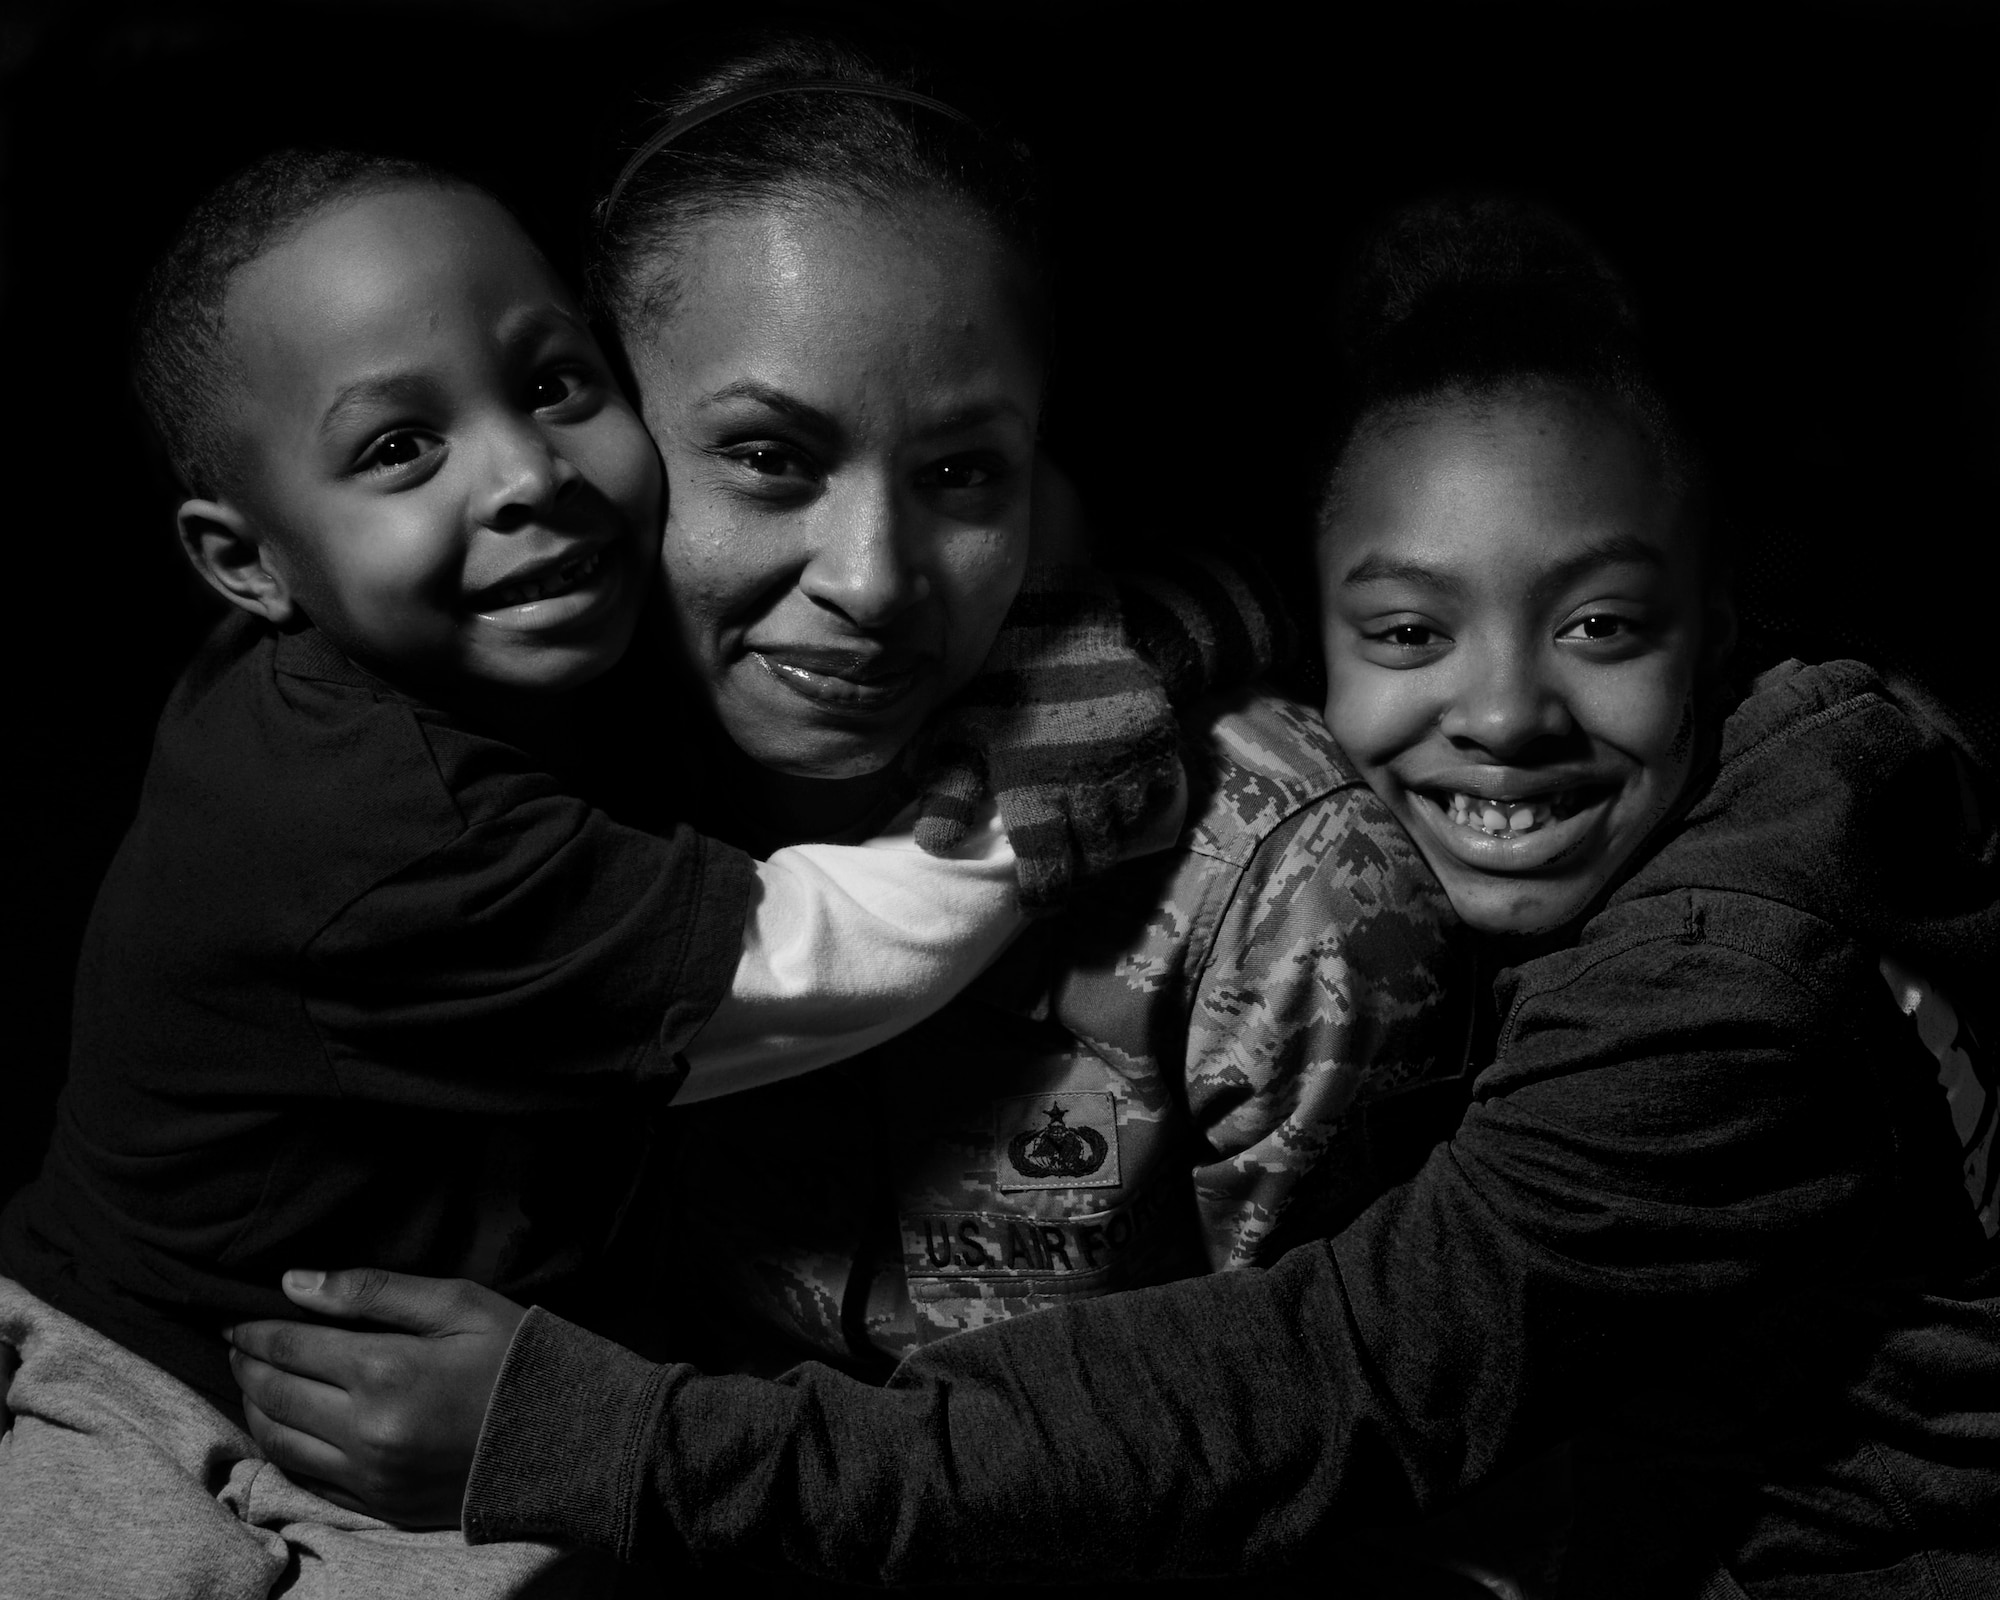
[[561, 1451]]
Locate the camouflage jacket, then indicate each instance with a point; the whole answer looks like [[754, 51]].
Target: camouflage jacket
[[1185, 1072]]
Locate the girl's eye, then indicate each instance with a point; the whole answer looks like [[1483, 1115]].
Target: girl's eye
[[1599, 625], [1409, 635]]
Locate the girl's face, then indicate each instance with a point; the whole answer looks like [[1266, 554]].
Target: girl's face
[[845, 399], [1513, 627]]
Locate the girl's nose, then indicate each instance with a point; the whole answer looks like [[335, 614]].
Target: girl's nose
[[524, 478], [862, 563], [1504, 704]]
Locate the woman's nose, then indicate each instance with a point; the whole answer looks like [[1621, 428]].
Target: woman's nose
[[524, 477], [864, 563], [1504, 703]]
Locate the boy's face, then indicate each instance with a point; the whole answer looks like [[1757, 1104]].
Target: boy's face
[[1513, 614], [434, 452]]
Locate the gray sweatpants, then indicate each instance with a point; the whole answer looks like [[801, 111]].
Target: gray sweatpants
[[117, 1480]]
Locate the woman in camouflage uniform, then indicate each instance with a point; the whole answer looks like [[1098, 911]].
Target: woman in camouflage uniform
[[833, 309]]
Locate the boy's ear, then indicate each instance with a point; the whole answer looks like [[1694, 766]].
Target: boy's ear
[[225, 549]]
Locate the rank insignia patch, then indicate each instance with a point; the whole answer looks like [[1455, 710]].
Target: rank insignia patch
[[1056, 1141]]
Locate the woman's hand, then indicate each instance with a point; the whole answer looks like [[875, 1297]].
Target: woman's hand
[[383, 1419]]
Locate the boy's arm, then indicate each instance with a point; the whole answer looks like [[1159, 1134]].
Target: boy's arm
[[847, 945]]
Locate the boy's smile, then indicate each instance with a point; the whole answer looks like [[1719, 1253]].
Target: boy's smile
[[446, 478], [1513, 627]]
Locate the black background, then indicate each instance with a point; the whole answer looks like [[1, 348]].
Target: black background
[[1805, 198]]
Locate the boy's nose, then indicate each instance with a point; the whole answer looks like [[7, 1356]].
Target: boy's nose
[[862, 565], [1504, 705], [524, 478]]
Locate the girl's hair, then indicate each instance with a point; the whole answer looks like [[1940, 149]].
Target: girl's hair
[[1468, 300], [798, 150], [181, 367]]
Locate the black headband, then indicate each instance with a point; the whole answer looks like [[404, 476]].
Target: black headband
[[729, 102]]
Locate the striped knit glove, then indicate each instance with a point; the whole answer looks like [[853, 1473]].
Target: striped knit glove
[[1069, 726]]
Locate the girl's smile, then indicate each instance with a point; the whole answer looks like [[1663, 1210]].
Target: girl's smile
[[1513, 631]]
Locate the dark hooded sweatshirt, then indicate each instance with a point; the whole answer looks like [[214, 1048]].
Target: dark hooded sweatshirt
[[1704, 1214]]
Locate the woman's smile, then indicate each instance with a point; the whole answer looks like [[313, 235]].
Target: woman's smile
[[862, 680]]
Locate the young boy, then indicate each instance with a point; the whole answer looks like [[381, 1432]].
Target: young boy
[[366, 976]]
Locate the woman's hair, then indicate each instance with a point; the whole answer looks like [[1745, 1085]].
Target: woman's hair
[[792, 150], [182, 370], [1465, 301]]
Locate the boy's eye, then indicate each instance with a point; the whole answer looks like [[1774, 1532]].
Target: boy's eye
[[551, 389], [403, 448]]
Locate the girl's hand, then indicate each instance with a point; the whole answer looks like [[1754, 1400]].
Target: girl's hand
[[382, 1419]]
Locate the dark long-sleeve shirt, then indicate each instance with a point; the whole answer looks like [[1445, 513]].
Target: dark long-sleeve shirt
[[1707, 1200]]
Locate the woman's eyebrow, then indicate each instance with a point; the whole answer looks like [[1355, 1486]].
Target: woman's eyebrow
[[795, 410], [976, 414]]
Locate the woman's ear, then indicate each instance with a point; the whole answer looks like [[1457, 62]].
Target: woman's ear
[[226, 550]]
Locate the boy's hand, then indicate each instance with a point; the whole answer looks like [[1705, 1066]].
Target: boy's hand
[[385, 1419]]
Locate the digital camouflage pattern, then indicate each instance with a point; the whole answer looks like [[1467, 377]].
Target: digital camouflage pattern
[[1192, 1067]]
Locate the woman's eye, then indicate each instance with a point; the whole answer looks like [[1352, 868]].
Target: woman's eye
[[964, 472], [775, 462]]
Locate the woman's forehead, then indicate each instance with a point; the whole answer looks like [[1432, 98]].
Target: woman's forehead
[[849, 305]]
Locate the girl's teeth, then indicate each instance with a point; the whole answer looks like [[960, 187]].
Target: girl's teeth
[[1508, 817]]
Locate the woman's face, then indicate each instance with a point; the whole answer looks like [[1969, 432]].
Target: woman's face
[[845, 399], [1514, 620]]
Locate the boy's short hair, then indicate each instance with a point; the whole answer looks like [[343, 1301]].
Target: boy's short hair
[[181, 367]]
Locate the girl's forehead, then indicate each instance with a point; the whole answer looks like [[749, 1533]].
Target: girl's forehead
[[1515, 480]]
